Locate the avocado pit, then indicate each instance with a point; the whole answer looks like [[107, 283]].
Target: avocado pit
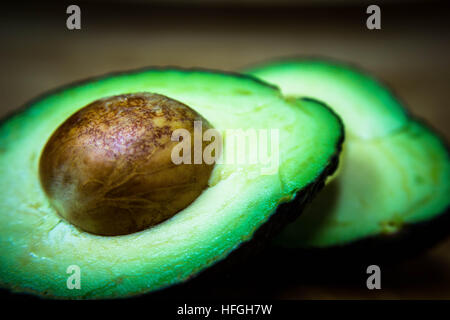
[[108, 169]]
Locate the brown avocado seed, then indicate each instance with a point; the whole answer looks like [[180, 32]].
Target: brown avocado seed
[[108, 168]]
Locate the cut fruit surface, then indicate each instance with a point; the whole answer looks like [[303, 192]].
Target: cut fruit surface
[[37, 245], [394, 171]]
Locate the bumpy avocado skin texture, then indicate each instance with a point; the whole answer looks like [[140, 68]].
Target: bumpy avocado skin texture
[[394, 179], [37, 246]]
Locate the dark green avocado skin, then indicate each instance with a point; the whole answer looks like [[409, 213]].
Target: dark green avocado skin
[[239, 258]]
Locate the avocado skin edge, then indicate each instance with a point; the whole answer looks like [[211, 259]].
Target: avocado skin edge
[[285, 213]]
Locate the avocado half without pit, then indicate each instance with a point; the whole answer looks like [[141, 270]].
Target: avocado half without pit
[[87, 179], [390, 194]]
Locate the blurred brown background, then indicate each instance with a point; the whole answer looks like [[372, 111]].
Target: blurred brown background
[[411, 53]]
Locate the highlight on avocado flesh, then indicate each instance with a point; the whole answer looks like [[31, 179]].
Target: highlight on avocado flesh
[[394, 172], [37, 245], [108, 168]]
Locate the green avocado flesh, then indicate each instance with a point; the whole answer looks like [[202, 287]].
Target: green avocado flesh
[[393, 170], [37, 246]]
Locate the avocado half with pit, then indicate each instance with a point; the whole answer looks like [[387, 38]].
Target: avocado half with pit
[[87, 179], [391, 191]]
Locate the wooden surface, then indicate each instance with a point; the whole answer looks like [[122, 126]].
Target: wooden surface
[[411, 53]]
